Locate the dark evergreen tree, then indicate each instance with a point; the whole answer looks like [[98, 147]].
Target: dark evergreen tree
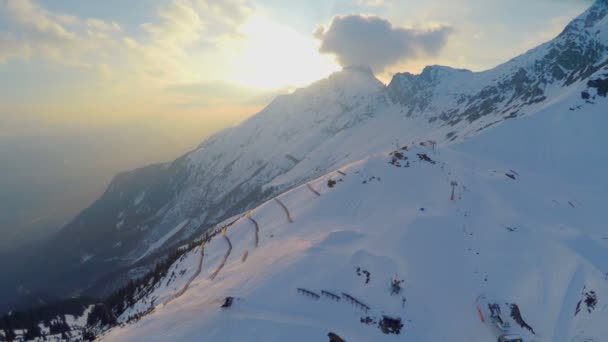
[[88, 335], [9, 335]]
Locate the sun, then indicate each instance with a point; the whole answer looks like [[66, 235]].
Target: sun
[[271, 56]]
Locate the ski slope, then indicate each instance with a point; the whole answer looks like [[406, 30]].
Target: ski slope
[[516, 231]]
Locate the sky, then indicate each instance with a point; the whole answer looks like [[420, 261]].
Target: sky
[[127, 83], [187, 67]]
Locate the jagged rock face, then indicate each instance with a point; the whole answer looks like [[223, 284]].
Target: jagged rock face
[[581, 49], [416, 92], [576, 54]]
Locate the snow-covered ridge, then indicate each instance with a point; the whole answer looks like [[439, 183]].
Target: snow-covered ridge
[[512, 89]]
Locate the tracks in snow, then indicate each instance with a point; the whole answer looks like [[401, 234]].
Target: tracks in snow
[[219, 268], [284, 209], [312, 189], [256, 241], [229, 250], [198, 271], [257, 230], [561, 331]]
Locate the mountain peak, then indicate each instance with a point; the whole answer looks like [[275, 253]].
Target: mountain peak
[[434, 71], [593, 16], [359, 69], [429, 73], [351, 80], [601, 3], [404, 86]]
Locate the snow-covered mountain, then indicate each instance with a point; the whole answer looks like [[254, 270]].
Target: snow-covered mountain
[[452, 223], [344, 119]]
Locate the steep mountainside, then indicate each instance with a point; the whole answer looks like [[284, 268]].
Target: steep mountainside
[[301, 136], [521, 85], [447, 224]]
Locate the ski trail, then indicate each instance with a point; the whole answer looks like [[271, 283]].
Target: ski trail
[[561, 332], [285, 209], [264, 314], [313, 190], [479, 311], [591, 251], [198, 271], [219, 268], [257, 230]]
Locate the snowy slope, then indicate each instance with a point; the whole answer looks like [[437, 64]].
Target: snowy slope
[[305, 134], [165, 238], [520, 230], [337, 121]]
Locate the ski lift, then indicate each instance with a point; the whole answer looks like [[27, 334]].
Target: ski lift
[[396, 287]]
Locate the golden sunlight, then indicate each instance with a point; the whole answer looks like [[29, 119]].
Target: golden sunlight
[[271, 56]]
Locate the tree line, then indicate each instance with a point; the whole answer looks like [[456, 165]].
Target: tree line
[[104, 313]]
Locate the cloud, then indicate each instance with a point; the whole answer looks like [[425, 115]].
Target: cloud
[[101, 25], [371, 3], [183, 31], [180, 26], [222, 17], [39, 21], [64, 39], [185, 22], [11, 48], [359, 40], [161, 52]]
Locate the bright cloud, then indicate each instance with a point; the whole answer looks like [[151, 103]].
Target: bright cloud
[[374, 42], [371, 3], [271, 56], [68, 40]]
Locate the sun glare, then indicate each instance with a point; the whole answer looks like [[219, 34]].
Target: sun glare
[[271, 56]]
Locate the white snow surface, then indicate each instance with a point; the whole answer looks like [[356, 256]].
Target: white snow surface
[[80, 321], [163, 239], [177, 276], [538, 240], [139, 198]]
